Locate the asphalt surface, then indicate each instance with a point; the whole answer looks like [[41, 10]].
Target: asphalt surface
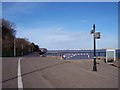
[[48, 72], [9, 72]]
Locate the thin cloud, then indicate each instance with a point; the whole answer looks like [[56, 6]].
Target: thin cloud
[[84, 21], [62, 40], [53, 38]]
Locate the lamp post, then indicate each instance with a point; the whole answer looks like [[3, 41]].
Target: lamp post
[[96, 35], [14, 47], [22, 49]]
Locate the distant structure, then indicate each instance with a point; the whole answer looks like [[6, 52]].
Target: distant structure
[[110, 55], [42, 51]]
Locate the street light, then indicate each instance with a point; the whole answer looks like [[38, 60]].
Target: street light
[[14, 47], [22, 49], [96, 35]]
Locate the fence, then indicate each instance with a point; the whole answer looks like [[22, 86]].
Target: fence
[[77, 54]]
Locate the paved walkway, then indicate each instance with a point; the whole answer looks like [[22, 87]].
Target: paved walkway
[[47, 72]]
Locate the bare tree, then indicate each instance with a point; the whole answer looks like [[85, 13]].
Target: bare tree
[[8, 35], [10, 43]]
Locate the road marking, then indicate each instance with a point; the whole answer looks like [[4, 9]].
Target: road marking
[[20, 84]]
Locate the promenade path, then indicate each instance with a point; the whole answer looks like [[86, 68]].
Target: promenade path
[[51, 72]]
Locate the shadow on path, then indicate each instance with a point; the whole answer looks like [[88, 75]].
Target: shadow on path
[[34, 71]]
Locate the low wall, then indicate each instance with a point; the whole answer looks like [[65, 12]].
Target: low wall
[[57, 57]]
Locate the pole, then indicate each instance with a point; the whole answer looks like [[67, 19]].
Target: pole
[[94, 65], [22, 49], [61, 56], [14, 47]]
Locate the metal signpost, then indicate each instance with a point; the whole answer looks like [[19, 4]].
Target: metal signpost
[[96, 35]]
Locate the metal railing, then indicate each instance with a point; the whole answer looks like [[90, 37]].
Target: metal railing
[[76, 55]]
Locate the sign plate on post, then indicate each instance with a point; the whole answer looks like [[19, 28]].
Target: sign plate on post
[[97, 35]]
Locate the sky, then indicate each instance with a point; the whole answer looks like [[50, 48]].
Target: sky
[[60, 0], [64, 25]]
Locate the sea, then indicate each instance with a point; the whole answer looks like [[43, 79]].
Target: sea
[[80, 54]]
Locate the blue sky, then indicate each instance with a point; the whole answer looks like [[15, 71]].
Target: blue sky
[[64, 25]]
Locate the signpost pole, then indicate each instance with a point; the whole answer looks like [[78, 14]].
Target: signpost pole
[[94, 65]]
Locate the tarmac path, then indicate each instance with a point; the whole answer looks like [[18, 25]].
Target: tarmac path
[[45, 72]]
